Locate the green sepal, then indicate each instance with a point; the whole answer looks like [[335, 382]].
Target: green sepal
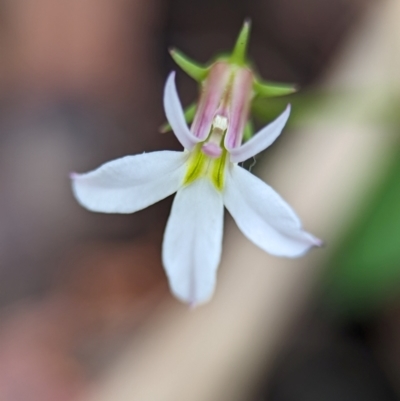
[[271, 89], [196, 71], [248, 131], [190, 112], [238, 55]]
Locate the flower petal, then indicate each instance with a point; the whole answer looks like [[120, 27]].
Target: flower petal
[[176, 116], [261, 140], [131, 183], [193, 241], [264, 217]]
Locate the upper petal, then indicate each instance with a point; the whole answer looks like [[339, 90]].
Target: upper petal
[[264, 217], [131, 183], [176, 116], [193, 241], [261, 140]]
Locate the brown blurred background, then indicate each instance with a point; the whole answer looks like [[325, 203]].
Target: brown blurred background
[[81, 83]]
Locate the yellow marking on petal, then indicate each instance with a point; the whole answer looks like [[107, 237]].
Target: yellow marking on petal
[[201, 165], [197, 163], [218, 171]]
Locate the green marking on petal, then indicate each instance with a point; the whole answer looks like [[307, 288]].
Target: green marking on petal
[[190, 112], [197, 163], [270, 89], [239, 51], [218, 171], [196, 71]]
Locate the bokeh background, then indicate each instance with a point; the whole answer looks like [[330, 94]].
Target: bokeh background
[[85, 311]]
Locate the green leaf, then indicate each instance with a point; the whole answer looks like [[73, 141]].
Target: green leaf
[[365, 271]]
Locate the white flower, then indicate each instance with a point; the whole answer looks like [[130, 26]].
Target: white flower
[[206, 177]]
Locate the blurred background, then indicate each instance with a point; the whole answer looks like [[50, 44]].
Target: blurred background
[[85, 311]]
